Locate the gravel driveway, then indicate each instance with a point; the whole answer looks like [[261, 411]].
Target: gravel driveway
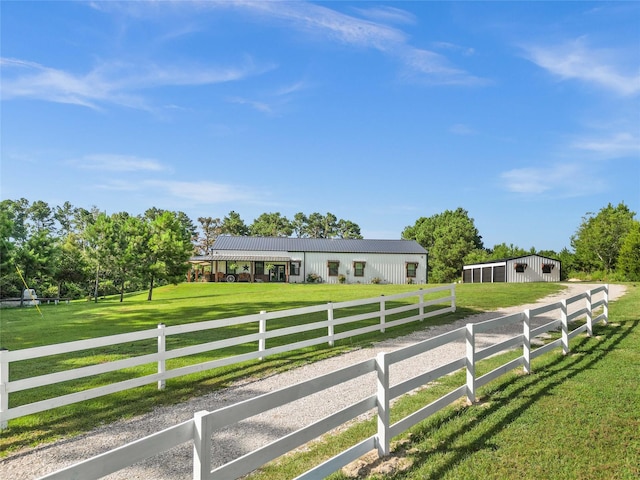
[[264, 428]]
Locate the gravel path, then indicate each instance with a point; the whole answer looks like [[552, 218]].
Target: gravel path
[[259, 430]]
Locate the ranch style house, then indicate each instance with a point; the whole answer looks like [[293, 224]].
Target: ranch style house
[[299, 260], [528, 268]]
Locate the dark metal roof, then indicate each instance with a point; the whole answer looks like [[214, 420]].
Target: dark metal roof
[[329, 245]]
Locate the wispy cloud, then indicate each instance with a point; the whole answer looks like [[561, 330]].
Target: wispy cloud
[[562, 180], [614, 145], [255, 104], [117, 163], [387, 14], [114, 83], [205, 192], [576, 60], [369, 33]]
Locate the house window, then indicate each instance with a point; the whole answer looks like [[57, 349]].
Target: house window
[[295, 268], [521, 267], [333, 268], [547, 267], [412, 269], [259, 268], [358, 269]]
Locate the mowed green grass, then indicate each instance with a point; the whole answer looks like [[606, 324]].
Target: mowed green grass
[[573, 417], [185, 303]]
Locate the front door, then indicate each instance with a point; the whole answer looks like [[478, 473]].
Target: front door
[[280, 273]]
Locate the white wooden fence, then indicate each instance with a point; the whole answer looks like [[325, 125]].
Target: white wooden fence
[[200, 429], [410, 312]]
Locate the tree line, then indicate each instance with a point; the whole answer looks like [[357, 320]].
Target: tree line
[[73, 252], [606, 245]]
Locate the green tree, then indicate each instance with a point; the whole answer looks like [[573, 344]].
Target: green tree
[[8, 276], [73, 272], [629, 256], [168, 249], [599, 238], [502, 251], [271, 225], [232, 224], [211, 229], [567, 259], [448, 237], [348, 229], [299, 224]]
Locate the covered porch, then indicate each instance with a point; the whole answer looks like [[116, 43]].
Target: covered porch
[[239, 268]]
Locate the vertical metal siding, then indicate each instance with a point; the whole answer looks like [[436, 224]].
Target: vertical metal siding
[[533, 272], [389, 268]]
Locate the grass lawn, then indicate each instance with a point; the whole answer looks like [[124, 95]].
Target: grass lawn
[[573, 417], [172, 305]]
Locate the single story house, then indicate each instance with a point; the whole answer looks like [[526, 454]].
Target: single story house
[[299, 260], [528, 268]]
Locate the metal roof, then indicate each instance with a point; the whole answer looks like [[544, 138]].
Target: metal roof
[[329, 245], [238, 258]]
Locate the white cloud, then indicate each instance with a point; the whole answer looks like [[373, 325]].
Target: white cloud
[[615, 145], [109, 82], [118, 163], [387, 14], [563, 180], [606, 68], [205, 192]]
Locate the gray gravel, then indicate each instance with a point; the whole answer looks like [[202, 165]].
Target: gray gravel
[[261, 429]]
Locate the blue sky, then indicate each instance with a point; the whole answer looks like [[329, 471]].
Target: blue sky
[[525, 114]]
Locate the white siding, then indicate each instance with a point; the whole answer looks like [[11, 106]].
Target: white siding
[[389, 268], [533, 272]]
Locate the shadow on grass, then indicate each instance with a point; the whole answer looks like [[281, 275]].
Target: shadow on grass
[[81, 417], [489, 419]]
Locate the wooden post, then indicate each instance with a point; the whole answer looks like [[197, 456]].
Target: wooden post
[[162, 348], [471, 366], [262, 329], [526, 343], [382, 314], [421, 301], [383, 439], [4, 380], [201, 446], [564, 327]]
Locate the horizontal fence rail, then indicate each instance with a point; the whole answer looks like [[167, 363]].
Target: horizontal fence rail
[[200, 430], [258, 322]]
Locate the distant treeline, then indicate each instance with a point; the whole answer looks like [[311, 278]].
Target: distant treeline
[[66, 251]]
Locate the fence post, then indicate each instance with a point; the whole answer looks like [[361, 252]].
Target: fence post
[[471, 366], [526, 344], [383, 440], [4, 380], [453, 297], [330, 331], [606, 304], [382, 314], [421, 301], [201, 446], [564, 326], [262, 330], [589, 313], [162, 348]]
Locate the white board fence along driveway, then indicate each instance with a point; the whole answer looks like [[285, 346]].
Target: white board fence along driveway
[[200, 429], [325, 332]]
